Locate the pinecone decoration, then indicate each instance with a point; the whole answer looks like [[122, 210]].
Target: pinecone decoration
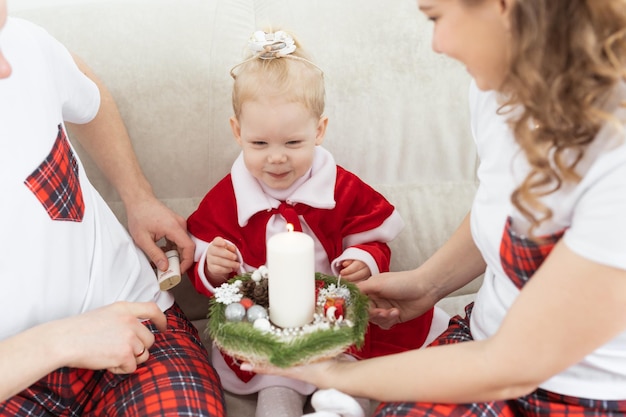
[[256, 291], [247, 289], [260, 294]]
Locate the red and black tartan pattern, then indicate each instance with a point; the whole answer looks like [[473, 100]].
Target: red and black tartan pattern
[[540, 403], [521, 257], [177, 380], [55, 182]]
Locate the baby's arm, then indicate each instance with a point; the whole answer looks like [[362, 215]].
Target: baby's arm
[[221, 261]]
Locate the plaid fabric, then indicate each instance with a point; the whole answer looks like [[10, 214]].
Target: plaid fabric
[[537, 404], [521, 257], [55, 182], [177, 380]]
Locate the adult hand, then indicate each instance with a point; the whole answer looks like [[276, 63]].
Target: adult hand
[[315, 373], [111, 337], [149, 220], [395, 297]]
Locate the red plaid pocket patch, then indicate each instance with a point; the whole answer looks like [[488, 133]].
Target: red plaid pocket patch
[[521, 257], [55, 182]]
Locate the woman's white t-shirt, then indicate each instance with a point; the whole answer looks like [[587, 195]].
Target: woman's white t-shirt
[[592, 213]]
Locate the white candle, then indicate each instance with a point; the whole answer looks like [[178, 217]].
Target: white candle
[[291, 278]]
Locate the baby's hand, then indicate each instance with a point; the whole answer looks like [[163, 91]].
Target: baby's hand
[[221, 261], [354, 271]]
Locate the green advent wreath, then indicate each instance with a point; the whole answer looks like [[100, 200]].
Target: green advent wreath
[[239, 325]]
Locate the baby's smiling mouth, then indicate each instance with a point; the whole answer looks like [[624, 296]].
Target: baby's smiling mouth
[[278, 175]]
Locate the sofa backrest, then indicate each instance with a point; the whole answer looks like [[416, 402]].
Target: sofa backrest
[[398, 111]]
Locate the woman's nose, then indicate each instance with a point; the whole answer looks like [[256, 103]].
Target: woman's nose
[[435, 45], [5, 67]]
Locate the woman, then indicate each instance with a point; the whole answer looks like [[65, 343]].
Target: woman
[[548, 119]]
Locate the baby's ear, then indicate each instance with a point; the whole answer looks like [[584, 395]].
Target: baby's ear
[[236, 128], [321, 130]]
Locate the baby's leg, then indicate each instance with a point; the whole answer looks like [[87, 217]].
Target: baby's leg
[[279, 402]]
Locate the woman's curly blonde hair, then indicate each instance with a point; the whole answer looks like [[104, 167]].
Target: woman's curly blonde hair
[[566, 58]]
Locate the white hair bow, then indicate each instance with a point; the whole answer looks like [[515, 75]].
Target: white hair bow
[[271, 45]]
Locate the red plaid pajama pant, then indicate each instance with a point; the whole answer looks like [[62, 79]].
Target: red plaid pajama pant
[[538, 403], [177, 380]]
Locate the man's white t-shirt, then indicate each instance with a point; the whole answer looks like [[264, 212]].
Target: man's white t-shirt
[[62, 250], [591, 213]]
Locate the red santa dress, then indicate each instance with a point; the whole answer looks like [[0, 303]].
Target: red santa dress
[[346, 218]]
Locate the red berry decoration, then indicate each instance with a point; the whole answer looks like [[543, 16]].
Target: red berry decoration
[[246, 302]]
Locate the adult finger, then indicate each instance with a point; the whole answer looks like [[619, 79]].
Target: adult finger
[[184, 245], [384, 318], [149, 311], [266, 369], [152, 250], [369, 286], [128, 367], [143, 355]]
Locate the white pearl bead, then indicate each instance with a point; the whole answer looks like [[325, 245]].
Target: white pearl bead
[[262, 324]]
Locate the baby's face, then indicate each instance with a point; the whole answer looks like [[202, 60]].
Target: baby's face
[[278, 139]]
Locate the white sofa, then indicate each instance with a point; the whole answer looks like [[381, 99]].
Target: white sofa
[[398, 112]]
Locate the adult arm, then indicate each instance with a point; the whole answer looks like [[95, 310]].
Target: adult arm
[[106, 140], [111, 338], [401, 296], [560, 316]]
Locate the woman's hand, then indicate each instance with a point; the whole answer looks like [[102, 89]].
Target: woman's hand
[[316, 373], [395, 297]]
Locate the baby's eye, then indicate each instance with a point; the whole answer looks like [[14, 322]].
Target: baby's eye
[[294, 142], [259, 143]]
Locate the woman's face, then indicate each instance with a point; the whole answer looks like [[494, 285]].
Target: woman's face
[[477, 35]]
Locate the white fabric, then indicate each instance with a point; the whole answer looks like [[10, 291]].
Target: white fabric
[[331, 402], [53, 269], [438, 325], [593, 212]]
